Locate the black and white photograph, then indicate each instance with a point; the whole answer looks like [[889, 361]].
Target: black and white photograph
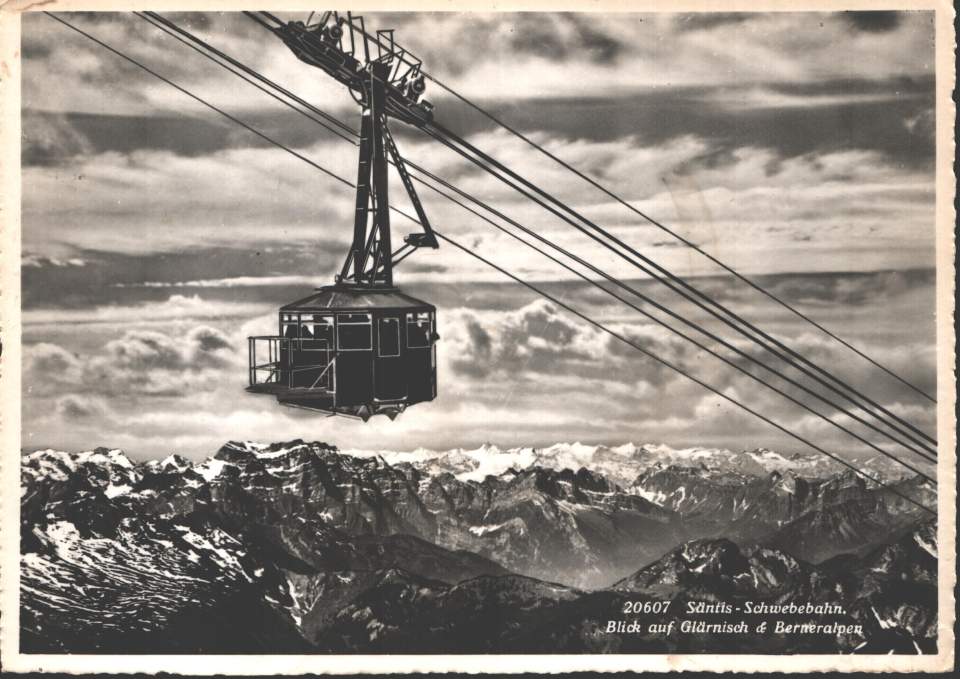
[[367, 336]]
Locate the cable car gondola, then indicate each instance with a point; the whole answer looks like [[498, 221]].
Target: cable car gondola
[[350, 350], [360, 347]]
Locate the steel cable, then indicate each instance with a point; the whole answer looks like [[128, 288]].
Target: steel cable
[[542, 293], [608, 240], [663, 227], [194, 39]]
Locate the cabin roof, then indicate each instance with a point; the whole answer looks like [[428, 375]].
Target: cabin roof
[[345, 298]]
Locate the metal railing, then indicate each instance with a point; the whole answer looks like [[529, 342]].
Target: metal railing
[[284, 364]]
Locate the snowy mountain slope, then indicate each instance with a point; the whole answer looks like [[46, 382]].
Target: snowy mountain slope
[[281, 546], [621, 464], [97, 574], [574, 527]]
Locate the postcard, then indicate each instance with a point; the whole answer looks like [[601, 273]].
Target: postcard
[[477, 337]]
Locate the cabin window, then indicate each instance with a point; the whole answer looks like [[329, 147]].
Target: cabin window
[[388, 336], [290, 324], [419, 330], [354, 332], [316, 332]]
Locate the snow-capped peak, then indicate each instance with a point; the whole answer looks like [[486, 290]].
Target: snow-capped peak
[[210, 469], [71, 461], [171, 463]]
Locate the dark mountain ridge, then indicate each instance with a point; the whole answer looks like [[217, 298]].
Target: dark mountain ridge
[[298, 547]]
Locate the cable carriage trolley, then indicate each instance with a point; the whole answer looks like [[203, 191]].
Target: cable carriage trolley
[[359, 347]]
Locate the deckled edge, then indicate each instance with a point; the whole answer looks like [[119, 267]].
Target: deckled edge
[[9, 332], [10, 239]]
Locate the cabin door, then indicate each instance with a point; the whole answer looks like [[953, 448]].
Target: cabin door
[[389, 376], [314, 352]]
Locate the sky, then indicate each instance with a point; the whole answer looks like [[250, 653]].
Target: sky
[[795, 147]]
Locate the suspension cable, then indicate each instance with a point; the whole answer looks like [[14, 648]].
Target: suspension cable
[[444, 133], [483, 164], [168, 26], [678, 332], [666, 229], [498, 170], [669, 312], [194, 39], [673, 367], [547, 296]]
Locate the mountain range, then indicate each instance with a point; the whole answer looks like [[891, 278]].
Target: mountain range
[[620, 463], [299, 547]]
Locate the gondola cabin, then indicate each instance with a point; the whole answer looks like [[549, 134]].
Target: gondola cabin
[[349, 350], [359, 347]]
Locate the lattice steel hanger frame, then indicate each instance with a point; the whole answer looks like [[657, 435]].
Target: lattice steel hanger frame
[[387, 82]]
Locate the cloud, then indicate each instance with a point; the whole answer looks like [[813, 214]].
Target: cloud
[[644, 146], [875, 109], [59, 55], [174, 308], [708, 20], [207, 340], [270, 196], [236, 282], [562, 36], [48, 362], [140, 363], [736, 203], [770, 139], [762, 97], [663, 51], [73, 407], [76, 277], [601, 54], [144, 350], [51, 139], [39, 261], [752, 207], [538, 338], [874, 22], [922, 124], [544, 344], [511, 369]]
